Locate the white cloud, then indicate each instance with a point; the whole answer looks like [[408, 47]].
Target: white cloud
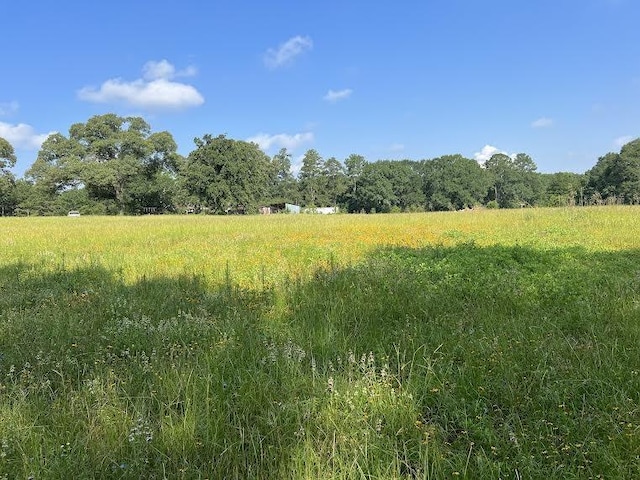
[[287, 51], [153, 70], [190, 71], [622, 141], [281, 140], [333, 96], [396, 147], [22, 135], [8, 108], [487, 152], [155, 90], [542, 122]]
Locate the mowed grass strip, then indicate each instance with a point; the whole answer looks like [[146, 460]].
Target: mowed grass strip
[[472, 344]]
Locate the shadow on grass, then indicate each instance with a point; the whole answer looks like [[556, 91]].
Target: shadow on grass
[[497, 359]]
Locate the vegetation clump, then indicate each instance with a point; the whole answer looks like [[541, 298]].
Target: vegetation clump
[[116, 165]]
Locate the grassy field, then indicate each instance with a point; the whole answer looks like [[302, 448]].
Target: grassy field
[[486, 344]]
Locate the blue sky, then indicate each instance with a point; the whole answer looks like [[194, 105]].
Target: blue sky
[[557, 79]]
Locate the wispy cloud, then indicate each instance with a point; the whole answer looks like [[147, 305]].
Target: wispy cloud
[[287, 51], [543, 122], [281, 140], [22, 135], [334, 96], [396, 147], [156, 90], [153, 70], [487, 152], [620, 142], [7, 108]]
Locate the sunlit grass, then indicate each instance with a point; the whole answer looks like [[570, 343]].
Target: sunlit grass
[[262, 249], [487, 344]]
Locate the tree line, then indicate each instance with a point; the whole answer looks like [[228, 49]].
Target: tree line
[[117, 165]]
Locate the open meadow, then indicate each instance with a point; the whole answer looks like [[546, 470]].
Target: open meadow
[[478, 344]]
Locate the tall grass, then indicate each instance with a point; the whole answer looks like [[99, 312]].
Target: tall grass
[[472, 345], [258, 250]]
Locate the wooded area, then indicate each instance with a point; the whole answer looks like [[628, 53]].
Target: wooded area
[[117, 165]]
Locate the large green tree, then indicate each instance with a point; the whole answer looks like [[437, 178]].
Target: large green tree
[[7, 155], [116, 159], [226, 175], [514, 180], [7, 179], [563, 189], [282, 185], [616, 176], [354, 166], [453, 182], [335, 180], [312, 180], [388, 185], [626, 172]]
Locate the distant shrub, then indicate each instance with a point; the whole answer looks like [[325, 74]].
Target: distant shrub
[[415, 209]]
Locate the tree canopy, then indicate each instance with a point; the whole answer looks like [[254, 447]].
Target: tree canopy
[[616, 176], [453, 182], [116, 159], [514, 181], [225, 175], [7, 179], [112, 164]]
